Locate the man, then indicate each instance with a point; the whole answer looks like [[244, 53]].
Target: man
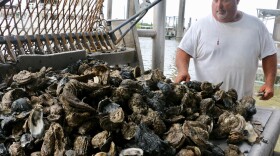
[[226, 47]]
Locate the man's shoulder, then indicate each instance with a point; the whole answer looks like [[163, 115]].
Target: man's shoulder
[[251, 18], [206, 20]]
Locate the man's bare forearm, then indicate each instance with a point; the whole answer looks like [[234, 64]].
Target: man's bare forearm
[[182, 60], [269, 64], [182, 64]]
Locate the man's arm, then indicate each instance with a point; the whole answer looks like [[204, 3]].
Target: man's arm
[[182, 64], [269, 64]]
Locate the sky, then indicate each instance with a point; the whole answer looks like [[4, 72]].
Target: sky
[[195, 9]]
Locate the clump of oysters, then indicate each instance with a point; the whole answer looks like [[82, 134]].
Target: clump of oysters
[[90, 108]]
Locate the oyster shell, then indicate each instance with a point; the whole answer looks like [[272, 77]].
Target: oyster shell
[[250, 134], [151, 143], [54, 141], [81, 145], [196, 133], [228, 122], [35, 122], [132, 152], [128, 130], [189, 151], [246, 107], [16, 149], [235, 137], [112, 114], [101, 140], [175, 136], [21, 104], [9, 97], [233, 150], [137, 104], [23, 77]]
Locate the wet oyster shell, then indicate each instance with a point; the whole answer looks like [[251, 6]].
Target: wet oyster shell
[[9, 97], [101, 140], [137, 104], [132, 152], [81, 145], [246, 107], [23, 77], [233, 150], [16, 149], [128, 130], [175, 136], [235, 137], [189, 151], [35, 122], [54, 141], [228, 122]]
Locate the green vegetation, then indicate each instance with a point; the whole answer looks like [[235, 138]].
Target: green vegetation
[[144, 25]]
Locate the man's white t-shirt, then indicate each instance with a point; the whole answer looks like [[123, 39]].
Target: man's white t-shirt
[[228, 52]]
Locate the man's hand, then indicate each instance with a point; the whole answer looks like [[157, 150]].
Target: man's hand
[[269, 64], [182, 77], [182, 64], [268, 91]]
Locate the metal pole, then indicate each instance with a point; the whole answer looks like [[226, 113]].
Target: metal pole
[[276, 30], [181, 15], [109, 9], [129, 9], [159, 39]]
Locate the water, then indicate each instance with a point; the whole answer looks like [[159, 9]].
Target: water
[[170, 71]]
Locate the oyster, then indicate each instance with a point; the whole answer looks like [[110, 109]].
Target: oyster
[[21, 104], [16, 149], [228, 122], [81, 145], [175, 136], [233, 150], [35, 122], [54, 141], [224, 101], [164, 87], [151, 143], [179, 92], [196, 133], [128, 130], [9, 97], [189, 151], [235, 137], [101, 140], [250, 135], [23, 77], [111, 114], [56, 112], [132, 152], [137, 104], [207, 121], [26, 141], [207, 106], [246, 107]]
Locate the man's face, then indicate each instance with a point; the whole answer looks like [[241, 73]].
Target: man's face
[[224, 10]]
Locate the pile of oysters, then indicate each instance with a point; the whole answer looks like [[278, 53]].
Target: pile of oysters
[[91, 108]]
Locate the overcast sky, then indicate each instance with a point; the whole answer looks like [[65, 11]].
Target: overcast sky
[[194, 9]]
